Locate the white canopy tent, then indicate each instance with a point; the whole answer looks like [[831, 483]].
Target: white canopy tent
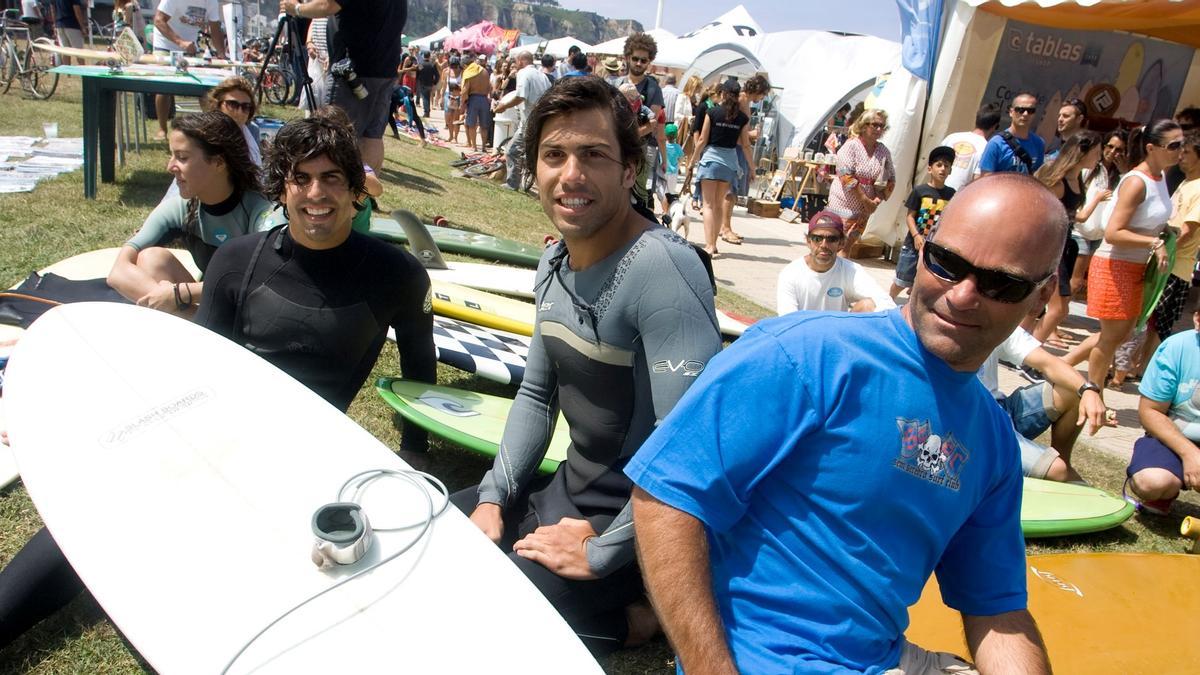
[[812, 71], [616, 46], [425, 42], [559, 47]]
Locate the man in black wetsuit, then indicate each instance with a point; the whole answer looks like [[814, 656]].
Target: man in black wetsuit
[[625, 323], [313, 297]]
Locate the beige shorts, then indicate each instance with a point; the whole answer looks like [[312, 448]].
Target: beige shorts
[[917, 661], [70, 37]]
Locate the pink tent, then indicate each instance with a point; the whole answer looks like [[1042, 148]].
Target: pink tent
[[480, 38]]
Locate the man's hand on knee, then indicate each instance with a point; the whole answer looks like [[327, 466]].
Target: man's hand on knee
[[560, 548], [489, 518]]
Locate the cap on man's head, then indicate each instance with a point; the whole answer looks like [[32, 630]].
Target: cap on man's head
[[827, 220], [612, 64], [731, 85], [942, 153]]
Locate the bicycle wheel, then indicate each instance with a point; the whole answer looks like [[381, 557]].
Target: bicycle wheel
[[8, 64], [484, 169], [41, 82], [277, 86]]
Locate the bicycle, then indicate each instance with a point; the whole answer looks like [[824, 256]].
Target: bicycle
[[32, 66], [277, 85]]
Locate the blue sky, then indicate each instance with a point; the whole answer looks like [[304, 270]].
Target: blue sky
[[871, 17]]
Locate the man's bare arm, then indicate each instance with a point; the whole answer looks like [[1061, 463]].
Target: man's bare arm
[[1006, 643], [673, 553]]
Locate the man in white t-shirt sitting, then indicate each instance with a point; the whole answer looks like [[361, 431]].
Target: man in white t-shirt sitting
[[177, 25], [968, 146], [1064, 403], [824, 281]]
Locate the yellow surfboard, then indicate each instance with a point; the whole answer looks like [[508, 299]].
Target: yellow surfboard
[[1131, 67], [482, 308], [1098, 612]]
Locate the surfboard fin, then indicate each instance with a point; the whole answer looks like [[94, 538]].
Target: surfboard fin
[[419, 240]]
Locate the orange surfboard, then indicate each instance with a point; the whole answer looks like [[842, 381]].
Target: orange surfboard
[[1098, 612]]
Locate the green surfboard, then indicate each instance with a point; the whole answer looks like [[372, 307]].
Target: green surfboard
[[476, 422], [1050, 509], [462, 241], [466, 418]]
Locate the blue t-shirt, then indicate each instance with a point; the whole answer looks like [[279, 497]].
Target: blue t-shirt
[[835, 464], [674, 152], [1172, 376], [999, 158]]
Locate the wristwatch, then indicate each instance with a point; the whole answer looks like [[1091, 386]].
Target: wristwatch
[[1087, 385]]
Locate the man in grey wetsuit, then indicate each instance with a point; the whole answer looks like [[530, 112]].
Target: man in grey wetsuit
[[625, 323]]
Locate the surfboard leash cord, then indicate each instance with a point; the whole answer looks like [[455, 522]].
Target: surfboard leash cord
[[359, 482]]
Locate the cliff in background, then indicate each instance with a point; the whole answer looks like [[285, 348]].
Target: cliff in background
[[542, 18]]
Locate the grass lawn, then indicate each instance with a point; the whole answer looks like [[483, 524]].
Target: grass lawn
[[55, 222]]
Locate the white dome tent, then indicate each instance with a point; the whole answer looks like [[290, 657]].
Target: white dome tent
[[559, 47], [436, 36]]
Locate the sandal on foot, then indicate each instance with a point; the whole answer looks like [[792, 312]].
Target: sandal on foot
[[731, 238]]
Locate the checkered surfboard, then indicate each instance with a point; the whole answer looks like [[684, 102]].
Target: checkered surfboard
[[491, 354]]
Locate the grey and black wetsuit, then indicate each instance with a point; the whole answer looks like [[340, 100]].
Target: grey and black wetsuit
[[615, 347]]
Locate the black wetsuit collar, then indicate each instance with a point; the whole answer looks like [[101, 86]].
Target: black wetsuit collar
[[291, 249], [223, 207]]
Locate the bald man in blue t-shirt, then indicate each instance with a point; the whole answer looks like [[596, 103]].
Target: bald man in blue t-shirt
[[794, 503]]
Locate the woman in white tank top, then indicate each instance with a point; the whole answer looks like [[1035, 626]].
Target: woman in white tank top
[[1136, 218]]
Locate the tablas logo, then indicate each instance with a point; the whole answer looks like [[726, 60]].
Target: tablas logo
[[1046, 46]]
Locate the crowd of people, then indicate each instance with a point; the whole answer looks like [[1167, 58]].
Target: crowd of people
[[703, 486], [1131, 256]]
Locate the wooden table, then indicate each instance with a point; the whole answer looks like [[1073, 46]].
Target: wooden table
[[100, 87]]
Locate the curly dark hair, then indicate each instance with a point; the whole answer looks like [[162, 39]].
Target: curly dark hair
[[758, 85], [219, 136], [577, 94], [328, 132], [641, 41]]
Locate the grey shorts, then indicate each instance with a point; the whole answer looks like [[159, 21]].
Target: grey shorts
[[368, 115]]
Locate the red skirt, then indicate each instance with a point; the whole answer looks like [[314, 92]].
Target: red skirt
[[1114, 289]]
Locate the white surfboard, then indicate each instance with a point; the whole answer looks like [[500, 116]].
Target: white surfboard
[[182, 494], [512, 281], [90, 265]]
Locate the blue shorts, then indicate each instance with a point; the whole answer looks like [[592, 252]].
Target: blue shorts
[[479, 109], [1087, 247], [716, 171], [906, 266], [743, 184], [1151, 453], [1031, 408]]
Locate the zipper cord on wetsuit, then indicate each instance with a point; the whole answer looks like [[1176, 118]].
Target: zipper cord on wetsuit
[[580, 304]]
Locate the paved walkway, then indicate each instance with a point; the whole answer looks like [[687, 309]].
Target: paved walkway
[[751, 270]]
